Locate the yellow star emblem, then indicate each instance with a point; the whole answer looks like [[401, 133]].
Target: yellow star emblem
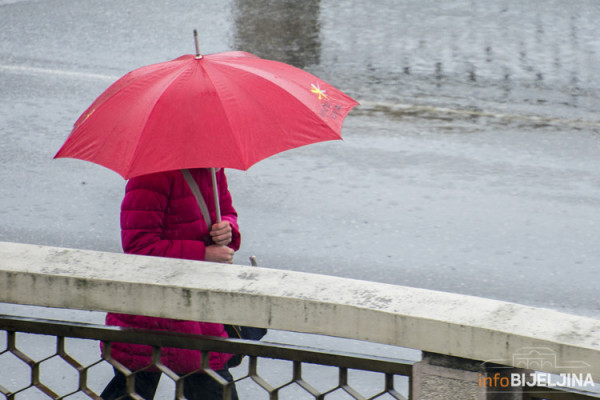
[[317, 90]]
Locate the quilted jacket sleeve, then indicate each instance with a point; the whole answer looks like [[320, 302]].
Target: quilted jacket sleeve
[[142, 218]]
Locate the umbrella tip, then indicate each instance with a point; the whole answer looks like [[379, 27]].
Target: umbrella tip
[[198, 55]]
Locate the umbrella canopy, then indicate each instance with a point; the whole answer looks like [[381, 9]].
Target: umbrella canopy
[[222, 110]]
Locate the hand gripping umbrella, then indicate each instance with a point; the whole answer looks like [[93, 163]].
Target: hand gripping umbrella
[[225, 110]]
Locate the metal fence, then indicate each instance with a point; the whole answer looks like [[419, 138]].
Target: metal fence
[[34, 383], [24, 375]]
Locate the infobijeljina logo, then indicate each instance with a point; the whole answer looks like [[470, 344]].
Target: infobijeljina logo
[[536, 359]]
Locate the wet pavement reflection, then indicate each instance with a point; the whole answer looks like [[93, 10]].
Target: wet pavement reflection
[[286, 31]]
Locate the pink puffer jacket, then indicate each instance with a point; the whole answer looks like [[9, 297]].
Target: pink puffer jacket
[[160, 217]]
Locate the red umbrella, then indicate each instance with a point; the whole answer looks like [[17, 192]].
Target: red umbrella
[[221, 110]]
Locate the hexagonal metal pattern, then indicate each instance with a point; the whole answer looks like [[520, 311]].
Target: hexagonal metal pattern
[[36, 373]]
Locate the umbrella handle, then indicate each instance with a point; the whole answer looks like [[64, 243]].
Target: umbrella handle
[[213, 174]]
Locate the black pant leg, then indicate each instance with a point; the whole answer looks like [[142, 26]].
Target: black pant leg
[[145, 385], [203, 387]]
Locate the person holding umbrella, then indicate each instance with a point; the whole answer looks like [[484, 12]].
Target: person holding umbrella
[[160, 217], [197, 114]]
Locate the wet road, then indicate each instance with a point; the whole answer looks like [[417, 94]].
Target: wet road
[[471, 165]]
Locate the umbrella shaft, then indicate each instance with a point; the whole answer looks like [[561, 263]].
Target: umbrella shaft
[[213, 174]]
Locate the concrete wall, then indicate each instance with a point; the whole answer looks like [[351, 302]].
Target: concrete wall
[[444, 323]]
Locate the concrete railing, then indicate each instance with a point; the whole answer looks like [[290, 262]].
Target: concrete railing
[[441, 323]]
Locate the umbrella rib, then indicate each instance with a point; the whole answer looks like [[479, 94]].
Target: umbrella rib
[[237, 140], [251, 69], [174, 78], [298, 103]]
